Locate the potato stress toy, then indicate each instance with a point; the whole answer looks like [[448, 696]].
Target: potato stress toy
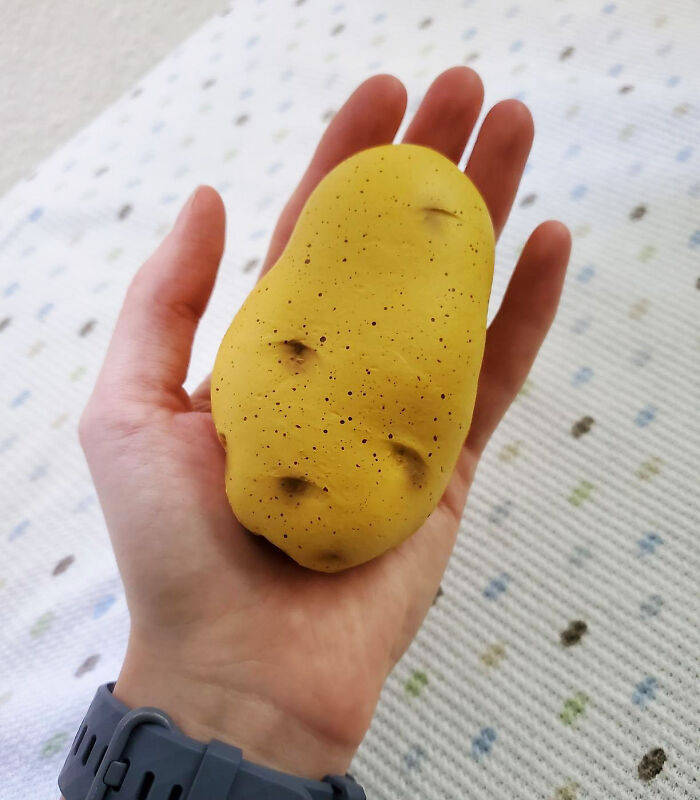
[[344, 388]]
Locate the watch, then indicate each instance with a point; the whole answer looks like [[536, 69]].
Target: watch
[[139, 754]]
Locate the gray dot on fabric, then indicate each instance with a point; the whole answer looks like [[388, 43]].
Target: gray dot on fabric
[[87, 327], [87, 666], [63, 565]]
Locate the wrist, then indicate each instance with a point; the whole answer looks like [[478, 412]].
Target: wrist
[[239, 714]]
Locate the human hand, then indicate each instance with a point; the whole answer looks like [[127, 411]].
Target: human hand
[[229, 636]]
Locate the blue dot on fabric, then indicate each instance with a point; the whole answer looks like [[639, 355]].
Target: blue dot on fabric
[[246, 93], [573, 151], [515, 46], [8, 442], [103, 605], [585, 274], [684, 154], [645, 416], [19, 529], [252, 41], [337, 8], [10, 289], [615, 70], [674, 80], [379, 17], [157, 127], [469, 34], [694, 240], [44, 311], [35, 214], [609, 8], [581, 376], [20, 399], [694, 189], [578, 191]]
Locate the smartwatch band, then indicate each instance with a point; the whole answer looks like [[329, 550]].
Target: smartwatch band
[[140, 754]]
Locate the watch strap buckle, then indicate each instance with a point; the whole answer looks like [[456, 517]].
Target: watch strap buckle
[[112, 770]]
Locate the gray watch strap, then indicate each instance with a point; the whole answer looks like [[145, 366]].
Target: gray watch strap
[[139, 754]]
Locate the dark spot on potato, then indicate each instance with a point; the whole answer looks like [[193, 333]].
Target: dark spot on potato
[[432, 212], [412, 462], [331, 557], [294, 485], [296, 353]]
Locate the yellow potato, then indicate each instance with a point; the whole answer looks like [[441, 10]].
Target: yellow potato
[[344, 388]]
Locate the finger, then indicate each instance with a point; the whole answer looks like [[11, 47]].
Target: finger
[[149, 354], [499, 156], [518, 329], [371, 116], [447, 115]]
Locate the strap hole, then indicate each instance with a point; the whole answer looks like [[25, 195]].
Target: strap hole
[[100, 759], [88, 749], [79, 739], [145, 787]]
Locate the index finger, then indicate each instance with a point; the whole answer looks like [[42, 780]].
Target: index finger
[[371, 116]]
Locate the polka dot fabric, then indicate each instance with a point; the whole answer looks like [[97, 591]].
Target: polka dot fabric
[[560, 658]]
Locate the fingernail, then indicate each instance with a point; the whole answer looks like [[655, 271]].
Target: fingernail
[[185, 210]]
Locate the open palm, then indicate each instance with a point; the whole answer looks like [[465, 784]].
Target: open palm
[[232, 638]]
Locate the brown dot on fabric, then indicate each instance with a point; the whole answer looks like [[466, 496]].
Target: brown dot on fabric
[[339, 28], [87, 666], [651, 764], [124, 211], [241, 119], [101, 171], [638, 212], [573, 633], [582, 426], [567, 52], [697, 286], [63, 565], [87, 327], [425, 23], [5, 322], [625, 89], [250, 264], [208, 83], [528, 200]]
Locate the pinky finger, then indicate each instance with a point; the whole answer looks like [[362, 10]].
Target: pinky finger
[[519, 328]]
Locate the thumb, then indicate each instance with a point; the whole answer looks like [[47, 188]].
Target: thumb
[[149, 354]]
